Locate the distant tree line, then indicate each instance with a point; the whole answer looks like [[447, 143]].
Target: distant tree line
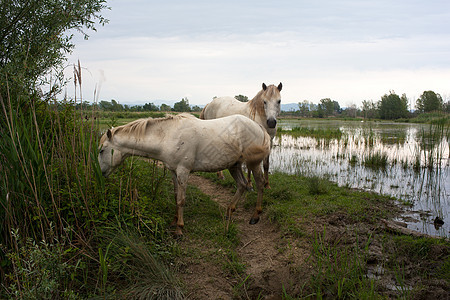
[[115, 106], [180, 106], [390, 107]]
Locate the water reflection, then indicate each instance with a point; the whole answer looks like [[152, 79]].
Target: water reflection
[[385, 158]]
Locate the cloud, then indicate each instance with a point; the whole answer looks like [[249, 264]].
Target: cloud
[[353, 51]]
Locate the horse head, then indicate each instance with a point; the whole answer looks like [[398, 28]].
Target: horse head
[[109, 157], [272, 103]]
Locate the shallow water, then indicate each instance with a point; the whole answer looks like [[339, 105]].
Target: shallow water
[[404, 176]]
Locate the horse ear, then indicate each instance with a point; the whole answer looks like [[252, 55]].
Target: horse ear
[[280, 86], [264, 86], [109, 134]]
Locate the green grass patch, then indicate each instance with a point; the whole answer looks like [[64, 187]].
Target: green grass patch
[[430, 257], [319, 133], [376, 160], [292, 200]]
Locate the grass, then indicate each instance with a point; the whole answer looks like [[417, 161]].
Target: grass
[[306, 200], [376, 160], [341, 271], [72, 234], [318, 133]]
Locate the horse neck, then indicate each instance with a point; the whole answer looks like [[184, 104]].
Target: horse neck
[[148, 145], [256, 110]]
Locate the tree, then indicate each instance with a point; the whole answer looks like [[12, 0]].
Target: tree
[[429, 101], [165, 107], [34, 43], [369, 109], [150, 107], [196, 108], [329, 107], [182, 106], [392, 107], [241, 98], [305, 108]]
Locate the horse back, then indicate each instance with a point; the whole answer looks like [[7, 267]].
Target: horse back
[[222, 107]]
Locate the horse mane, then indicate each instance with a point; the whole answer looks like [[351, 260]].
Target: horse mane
[[138, 128], [257, 103]]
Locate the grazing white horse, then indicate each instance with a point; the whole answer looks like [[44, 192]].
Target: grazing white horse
[[264, 109], [186, 144]]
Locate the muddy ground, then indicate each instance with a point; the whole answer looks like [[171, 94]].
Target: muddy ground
[[277, 265]]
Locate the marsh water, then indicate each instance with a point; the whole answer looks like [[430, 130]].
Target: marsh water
[[407, 161]]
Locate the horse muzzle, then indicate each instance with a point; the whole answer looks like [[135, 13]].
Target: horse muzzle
[[271, 122]]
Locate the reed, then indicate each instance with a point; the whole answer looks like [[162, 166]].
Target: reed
[[432, 145], [319, 133], [376, 160], [52, 189], [341, 271]]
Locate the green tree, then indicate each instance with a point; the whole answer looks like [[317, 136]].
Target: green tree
[[241, 98], [150, 107], [34, 42], [305, 108], [429, 101], [392, 107], [182, 106], [369, 109], [165, 107]]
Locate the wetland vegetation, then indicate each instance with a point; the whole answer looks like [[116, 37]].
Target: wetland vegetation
[[68, 233]]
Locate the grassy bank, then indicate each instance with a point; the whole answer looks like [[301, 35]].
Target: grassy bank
[[351, 253], [72, 234]]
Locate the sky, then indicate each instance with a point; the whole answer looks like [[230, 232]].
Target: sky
[[348, 51]]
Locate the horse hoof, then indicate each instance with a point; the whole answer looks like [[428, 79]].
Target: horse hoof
[[253, 221], [250, 189], [267, 186]]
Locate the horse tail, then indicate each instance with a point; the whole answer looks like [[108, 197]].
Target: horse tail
[[202, 114], [256, 153]]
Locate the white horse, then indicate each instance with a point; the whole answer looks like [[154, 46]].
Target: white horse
[[186, 144], [264, 109]]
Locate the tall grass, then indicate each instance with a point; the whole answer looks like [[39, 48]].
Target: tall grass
[[340, 271], [432, 145], [52, 193], [319, 133]]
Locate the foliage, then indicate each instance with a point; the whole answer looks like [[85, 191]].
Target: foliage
[[318, 133], [137, 267], [182, 106], [369, 109], [340, 270], [393, 107], [329, 107], [377, 160], [241, 98], [150, 107], [40, 270], [429, 101], [33, 41]]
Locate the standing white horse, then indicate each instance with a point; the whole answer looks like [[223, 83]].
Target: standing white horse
[[264, 109], [186, 144]]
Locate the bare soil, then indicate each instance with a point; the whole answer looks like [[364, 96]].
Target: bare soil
[[277, 264]]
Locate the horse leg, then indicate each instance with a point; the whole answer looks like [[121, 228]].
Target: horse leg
[[259, 179], [175, 189], [182, 175], [266, 172], [238, 176]]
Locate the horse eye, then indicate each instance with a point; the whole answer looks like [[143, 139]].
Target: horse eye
[[265, 103], [279, 101], [101, 151]]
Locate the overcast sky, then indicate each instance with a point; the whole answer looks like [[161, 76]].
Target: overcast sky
[[348, 51]]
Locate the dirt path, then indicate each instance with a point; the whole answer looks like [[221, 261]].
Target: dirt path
[[266, 255]]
